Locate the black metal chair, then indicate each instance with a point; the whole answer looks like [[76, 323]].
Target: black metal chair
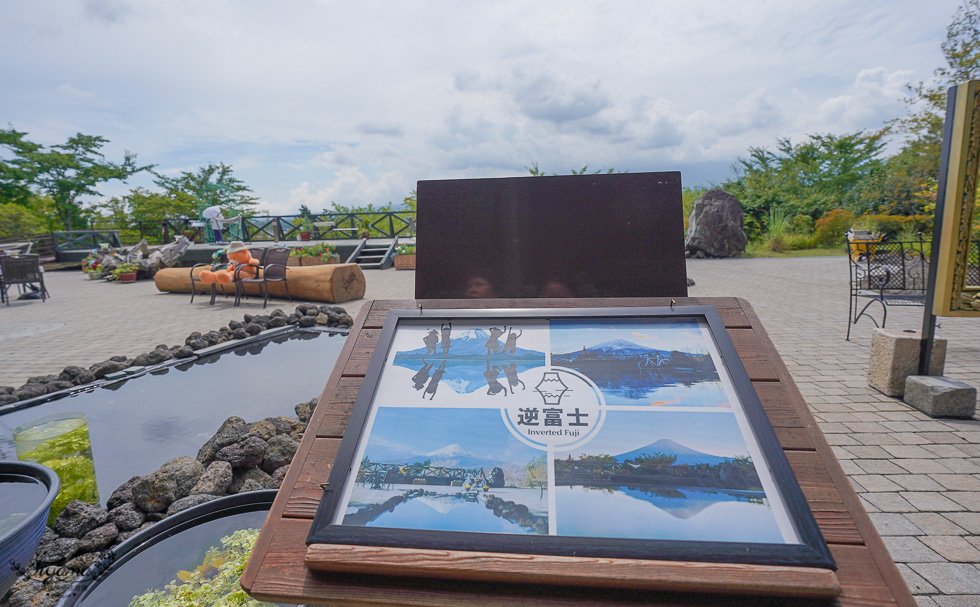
[[21, 270], [271, 269]]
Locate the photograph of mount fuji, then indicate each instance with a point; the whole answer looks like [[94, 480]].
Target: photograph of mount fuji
[[467, 358], [644, 362], [664, 475], [448, 470]]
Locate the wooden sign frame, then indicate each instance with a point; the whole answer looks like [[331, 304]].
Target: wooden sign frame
[[953, 296], [558, 547]]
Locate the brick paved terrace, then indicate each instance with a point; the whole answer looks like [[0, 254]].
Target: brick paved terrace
[[919, 478]]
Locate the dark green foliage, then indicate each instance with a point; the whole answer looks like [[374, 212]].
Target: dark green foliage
[[211, 184], [63, 172], [809, 178]]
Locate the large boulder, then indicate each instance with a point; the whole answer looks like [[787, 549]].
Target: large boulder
[[716, 227]]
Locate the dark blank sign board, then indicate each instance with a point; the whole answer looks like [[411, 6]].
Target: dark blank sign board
[[619, 235]]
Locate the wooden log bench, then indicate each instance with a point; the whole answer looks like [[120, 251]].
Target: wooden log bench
[[330, 283]]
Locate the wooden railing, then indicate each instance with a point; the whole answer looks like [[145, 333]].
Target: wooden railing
[[271, 228]]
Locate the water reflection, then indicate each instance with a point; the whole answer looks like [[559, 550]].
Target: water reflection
[[141, 423], [667, 513]]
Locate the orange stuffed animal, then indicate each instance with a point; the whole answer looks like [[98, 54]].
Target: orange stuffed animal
[[237, 255]]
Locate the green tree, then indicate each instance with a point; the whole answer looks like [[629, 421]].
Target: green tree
[[73, 169], [926, 103], [213, 184], [16, 171], [17, 222], [806, 178]]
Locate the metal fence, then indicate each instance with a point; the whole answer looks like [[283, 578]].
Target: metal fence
[[271, 228]]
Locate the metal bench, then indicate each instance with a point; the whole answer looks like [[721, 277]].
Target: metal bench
[[889, 273]]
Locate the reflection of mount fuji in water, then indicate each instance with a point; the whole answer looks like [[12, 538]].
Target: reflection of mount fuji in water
[[453, 456], [466, 366], [633, 371], [683, 503], [665, 446]]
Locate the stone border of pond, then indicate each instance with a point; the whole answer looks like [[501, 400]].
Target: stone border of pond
[[74, 379], [240, 457]]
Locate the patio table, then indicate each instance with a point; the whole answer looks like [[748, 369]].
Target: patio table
[[276, 570]]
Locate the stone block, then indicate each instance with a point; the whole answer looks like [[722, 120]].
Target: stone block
[[895, 356], [940, 396]]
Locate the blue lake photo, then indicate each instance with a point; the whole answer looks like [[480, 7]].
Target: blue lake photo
[[641, 362]]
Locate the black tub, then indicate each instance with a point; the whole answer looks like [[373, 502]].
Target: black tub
[[151, 558]]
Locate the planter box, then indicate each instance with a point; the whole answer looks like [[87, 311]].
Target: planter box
[[293, 261], [127, 277], [404, 262], [319, 261]]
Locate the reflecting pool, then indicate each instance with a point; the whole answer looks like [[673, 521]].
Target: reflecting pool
[[138, 424]]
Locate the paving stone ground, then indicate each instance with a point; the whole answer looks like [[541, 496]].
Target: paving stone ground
[[919, 478]]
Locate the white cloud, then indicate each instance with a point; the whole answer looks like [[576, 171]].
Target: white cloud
[[355, 102]]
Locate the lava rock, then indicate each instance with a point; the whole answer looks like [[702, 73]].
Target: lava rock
[[184, 352], [231, 430], [251, 485], [56, 550], [256, 474], [78, 518], [58, 385], [122, 494], [192, 337], [198, 344], [278, 476], [98, 538], [239, 334], [30, 391], [100, 370], [172, 481], [127, 517], [82, 562], [277, 321], [246, 453], [234, 324], [716, 226], [280, 452], [6, 399], [189, 502], [306, 321], [305, 410], [214, 480], [253, 328]]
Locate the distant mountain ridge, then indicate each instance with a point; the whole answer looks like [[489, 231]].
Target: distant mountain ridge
[[666, 446]]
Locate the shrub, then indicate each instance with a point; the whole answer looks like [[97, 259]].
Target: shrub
[[19, 223], [832, 226], [802, 224]]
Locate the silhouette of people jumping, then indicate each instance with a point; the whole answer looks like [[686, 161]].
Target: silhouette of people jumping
[[493, 343], [434, 382], [447, 329], [493, 386], [431, 340], [422, 376], [511, 344], [512, 380]]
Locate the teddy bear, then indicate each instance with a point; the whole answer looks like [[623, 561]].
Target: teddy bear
[[237, 255]]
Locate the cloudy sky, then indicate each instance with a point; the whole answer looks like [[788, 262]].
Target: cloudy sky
[[313, 101]]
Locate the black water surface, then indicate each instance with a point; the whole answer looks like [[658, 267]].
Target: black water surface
[[139, 424]]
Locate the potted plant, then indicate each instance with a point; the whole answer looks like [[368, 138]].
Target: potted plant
[[305, 228], [126, 272], [92, 266], [365, 228], [318, 254], [405, 257]]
